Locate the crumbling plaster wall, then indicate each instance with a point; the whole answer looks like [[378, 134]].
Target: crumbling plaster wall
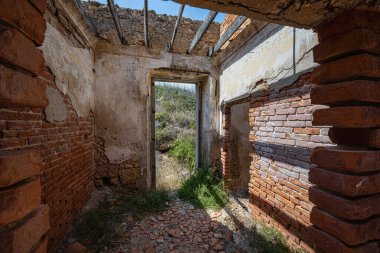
[[284, 54], [122, 83], [72, 67]]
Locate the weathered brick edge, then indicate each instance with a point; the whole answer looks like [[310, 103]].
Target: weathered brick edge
[[24, 222], [347, 191]]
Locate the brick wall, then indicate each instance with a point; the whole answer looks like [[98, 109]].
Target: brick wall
[[46, 169], [347, 192], [23, 219], [282, 138], [227, 22], [66, 149]]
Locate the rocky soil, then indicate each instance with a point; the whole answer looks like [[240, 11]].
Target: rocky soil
[[185, 228]]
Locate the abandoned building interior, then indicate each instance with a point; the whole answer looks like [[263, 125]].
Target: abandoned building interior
[[288, 110]]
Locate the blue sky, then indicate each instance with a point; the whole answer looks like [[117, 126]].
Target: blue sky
[[166, 7]]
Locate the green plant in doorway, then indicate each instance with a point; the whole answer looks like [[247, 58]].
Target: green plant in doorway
[[205, 190]]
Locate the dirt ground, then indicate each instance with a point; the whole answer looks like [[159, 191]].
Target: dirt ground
[[169, 173]]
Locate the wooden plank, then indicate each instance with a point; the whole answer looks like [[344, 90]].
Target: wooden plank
[[146, 30], [111, 6], [202, 30], [227, 35], [170, 45]]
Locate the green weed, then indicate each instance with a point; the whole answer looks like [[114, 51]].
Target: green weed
[[164, 138], [184, 151], [269, 240], [205, 190]]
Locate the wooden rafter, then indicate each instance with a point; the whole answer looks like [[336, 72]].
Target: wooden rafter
[[115, 17], [170, 45], [227, 35], [202, 30]]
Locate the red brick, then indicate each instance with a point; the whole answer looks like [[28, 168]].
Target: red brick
[[22, 238], [42, 246], [16, 49], [326, 243], [353, 41], [18, 165], [374, 139], [15, 203], [313, 131], [40, 5], [345, 184], [350, 20], [349, 68], [349, 209], [348, 117], [353, 161], [351, 233], [355, 137], [352, 91], [6, 143], [19, 89], [76, 248], [22, 14]]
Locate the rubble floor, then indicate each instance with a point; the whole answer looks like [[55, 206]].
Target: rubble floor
[[184, 228]]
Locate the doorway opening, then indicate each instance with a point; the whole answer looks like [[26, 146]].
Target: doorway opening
[[175, 130], [240, 147]]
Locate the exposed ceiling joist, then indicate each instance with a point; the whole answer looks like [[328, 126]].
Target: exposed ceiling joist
[[146, 30], [202, 30], [111, 6], [170, 45], [227, 35]]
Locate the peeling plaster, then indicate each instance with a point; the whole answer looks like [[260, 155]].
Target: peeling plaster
[[275, 59], [122, 88], [72, 68], [56, 110]]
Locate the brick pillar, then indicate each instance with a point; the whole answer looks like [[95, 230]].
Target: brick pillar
[[347, 177], [225, 149], [23, 220]]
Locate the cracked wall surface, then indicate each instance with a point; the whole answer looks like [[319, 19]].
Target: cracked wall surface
[[297, 13], [73, 68], [286, 52], [121, 98]]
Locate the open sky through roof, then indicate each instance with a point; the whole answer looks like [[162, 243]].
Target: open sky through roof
[[166, 7]]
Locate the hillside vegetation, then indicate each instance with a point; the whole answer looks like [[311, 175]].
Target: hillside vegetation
[[175, 123]]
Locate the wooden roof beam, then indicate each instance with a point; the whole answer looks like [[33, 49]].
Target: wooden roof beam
[[180, 12], [227, 35], [202, 30], [116, 20]]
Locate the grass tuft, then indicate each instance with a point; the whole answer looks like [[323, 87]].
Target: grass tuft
[[203, 189], [96, 228], [269, 240]]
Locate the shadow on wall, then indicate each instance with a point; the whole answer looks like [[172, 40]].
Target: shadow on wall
[[281, 139]]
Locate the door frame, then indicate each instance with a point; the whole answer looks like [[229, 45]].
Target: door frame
[[164, 75]]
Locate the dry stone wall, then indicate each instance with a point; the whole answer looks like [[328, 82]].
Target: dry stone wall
[[161, 27]]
